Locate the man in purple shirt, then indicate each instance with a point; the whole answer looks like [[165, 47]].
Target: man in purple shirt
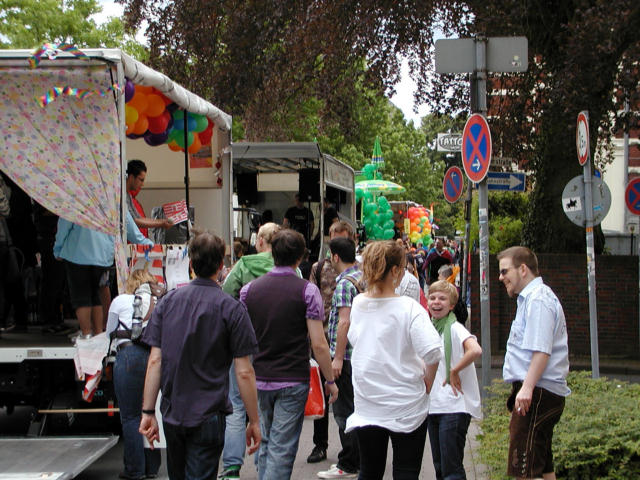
[[286, 311], [194, 333]]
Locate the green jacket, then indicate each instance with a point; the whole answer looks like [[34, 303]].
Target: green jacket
[[247, 268]]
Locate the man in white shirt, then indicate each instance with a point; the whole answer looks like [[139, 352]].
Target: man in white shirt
[[536, 364]]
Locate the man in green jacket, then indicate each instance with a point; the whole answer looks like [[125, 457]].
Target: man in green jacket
[[247, 268]]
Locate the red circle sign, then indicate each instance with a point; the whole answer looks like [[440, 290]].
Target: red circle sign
[[582, 137], [452, 184], [476, 148], [632, 196]]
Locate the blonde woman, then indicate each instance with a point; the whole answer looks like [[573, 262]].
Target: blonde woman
[[129, 373], [392, 341]]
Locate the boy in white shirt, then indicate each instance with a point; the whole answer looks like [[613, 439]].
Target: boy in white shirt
[[455, 396]]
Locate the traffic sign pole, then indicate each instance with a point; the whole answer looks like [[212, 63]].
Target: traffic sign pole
[[584, 154], [483, 217]]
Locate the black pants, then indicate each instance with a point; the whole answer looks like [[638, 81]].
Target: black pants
[[321, 425], [349, 456], [408, 449]]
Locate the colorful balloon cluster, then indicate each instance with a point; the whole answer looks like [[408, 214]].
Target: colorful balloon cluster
[[420, 230], [151, 115]]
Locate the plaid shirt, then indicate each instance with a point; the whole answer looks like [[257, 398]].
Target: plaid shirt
[[342, 297]]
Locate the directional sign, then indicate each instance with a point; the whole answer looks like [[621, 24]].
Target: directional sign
[[582, 137], [452, 184], [512, 182], [632, 196], [573, 202], [476, 148]]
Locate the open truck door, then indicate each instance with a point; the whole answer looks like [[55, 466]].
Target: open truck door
[[268, 175]]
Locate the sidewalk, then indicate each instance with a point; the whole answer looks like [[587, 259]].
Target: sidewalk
[[306, 471]]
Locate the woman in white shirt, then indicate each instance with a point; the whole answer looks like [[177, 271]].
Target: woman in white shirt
[[455, 396], [392, 340], [129, 372]]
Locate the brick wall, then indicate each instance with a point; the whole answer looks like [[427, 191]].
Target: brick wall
[[566, 274]]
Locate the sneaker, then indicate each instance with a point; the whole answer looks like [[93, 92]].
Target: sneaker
[[230, 473], [318, 454], [335, 472]]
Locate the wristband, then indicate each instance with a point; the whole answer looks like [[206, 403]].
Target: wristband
[[149, 412], [329, 382]]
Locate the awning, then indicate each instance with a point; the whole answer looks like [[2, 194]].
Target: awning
[[275, 157]]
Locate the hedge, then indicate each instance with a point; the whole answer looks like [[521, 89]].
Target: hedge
[[598, 435]]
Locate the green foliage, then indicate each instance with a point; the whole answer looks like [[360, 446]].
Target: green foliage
[[506, 211], [597, 436], [30, 23]]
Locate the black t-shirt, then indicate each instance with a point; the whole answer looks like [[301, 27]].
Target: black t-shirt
[[329, 215], [298, 219]]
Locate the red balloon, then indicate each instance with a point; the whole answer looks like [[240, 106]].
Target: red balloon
[[159, 124], [205, 136]]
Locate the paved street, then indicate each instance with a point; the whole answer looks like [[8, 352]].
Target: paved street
[[108, 466]]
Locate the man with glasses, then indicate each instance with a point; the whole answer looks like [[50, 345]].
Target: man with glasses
[[536, 364]]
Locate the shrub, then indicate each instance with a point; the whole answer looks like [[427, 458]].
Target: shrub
[[598, 435]]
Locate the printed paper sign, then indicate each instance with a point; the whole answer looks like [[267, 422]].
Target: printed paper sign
[[176, 211]]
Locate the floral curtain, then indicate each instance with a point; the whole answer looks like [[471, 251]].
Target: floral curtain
[[65, 155]]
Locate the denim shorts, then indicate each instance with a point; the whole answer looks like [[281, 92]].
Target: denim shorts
[[530, 436]]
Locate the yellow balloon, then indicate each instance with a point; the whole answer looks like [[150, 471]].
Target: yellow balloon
[[130, 115]]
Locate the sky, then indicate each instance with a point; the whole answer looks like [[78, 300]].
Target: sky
[[403, 99]]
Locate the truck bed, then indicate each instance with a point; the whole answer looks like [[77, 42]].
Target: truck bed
[[34, 345], [53, 458]]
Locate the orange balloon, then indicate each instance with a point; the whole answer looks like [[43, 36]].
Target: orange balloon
[[143, 89], [155, 105], [195, 145], [141, 125], [129, 130], [139, 102], [174, 146]]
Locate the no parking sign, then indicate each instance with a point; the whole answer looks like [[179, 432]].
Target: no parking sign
[[452, 184], [476, 148]]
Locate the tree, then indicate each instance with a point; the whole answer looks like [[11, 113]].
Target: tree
[[261, 60], [582, 56], [31, 23]]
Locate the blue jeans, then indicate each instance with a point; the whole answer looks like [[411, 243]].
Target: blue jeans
[[447, 435], [193, 453], [234, 435], [281, 417], [128, 380]]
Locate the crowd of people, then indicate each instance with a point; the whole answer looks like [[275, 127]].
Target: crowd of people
[[230, 351]]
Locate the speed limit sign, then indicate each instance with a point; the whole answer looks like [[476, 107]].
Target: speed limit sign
[[582, 137]]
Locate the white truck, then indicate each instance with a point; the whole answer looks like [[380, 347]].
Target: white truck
[[63, 127]]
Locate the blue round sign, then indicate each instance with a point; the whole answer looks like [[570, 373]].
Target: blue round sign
[[452, 184], [476, 148], [632, 196]]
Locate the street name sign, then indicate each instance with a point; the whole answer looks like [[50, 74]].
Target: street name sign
[[453, 184], [511, 182], [582, 137], [632, 196], [449, 142], [573, 202], [476, 148]]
